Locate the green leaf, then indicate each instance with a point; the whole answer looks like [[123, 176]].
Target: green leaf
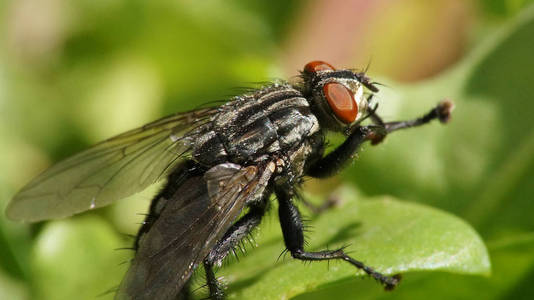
[[513, 270], [390, 235]]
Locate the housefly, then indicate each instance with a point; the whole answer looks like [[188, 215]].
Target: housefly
[[218, 162]]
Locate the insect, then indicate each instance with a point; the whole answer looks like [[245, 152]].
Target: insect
[[218, 162]]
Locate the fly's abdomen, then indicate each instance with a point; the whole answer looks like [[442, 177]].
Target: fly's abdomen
[[275, 119]]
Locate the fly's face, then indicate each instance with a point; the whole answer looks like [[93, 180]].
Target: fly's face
[[339, 98]]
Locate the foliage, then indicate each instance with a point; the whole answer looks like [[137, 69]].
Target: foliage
[[132, 62]]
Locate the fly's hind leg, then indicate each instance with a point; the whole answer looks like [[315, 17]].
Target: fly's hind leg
[[231, 239], [215, 288], [292, 229]]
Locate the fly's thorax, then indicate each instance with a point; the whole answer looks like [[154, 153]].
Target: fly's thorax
[[337, 97], [296, 160], [271, 120]]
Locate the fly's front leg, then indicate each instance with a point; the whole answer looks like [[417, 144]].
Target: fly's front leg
[[442, 112], [292, 229], [335, 160], [231, 239]]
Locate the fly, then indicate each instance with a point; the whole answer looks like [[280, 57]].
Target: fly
[[217, 162]]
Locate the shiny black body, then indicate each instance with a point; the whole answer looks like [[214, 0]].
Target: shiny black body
[[276, 120]]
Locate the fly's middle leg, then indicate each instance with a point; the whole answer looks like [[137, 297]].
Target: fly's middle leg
[[292, 229]]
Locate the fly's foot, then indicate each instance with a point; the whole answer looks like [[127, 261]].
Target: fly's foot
[[392, 282], [389, 282], [444, 110]]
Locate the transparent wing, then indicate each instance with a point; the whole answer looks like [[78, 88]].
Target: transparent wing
[[110, 170], [194, 219]]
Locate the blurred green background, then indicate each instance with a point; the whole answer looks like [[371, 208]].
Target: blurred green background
[[76, 72]]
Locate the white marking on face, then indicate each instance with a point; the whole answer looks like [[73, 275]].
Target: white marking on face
[[361, 101]]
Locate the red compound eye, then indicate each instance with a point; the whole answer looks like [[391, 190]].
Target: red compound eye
[[341, 100], [318, 65]]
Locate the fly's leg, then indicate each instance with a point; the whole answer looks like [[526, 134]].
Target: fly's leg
[[335, 160], [236, 234], [442, 112], [231, 239], [216, 290], [292, 229]]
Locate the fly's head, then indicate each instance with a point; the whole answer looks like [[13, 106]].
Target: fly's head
[[337, 97]]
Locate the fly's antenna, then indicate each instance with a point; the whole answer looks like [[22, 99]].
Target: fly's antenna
[[368, 65]]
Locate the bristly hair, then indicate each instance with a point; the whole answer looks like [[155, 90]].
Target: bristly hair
[[109, 291]]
